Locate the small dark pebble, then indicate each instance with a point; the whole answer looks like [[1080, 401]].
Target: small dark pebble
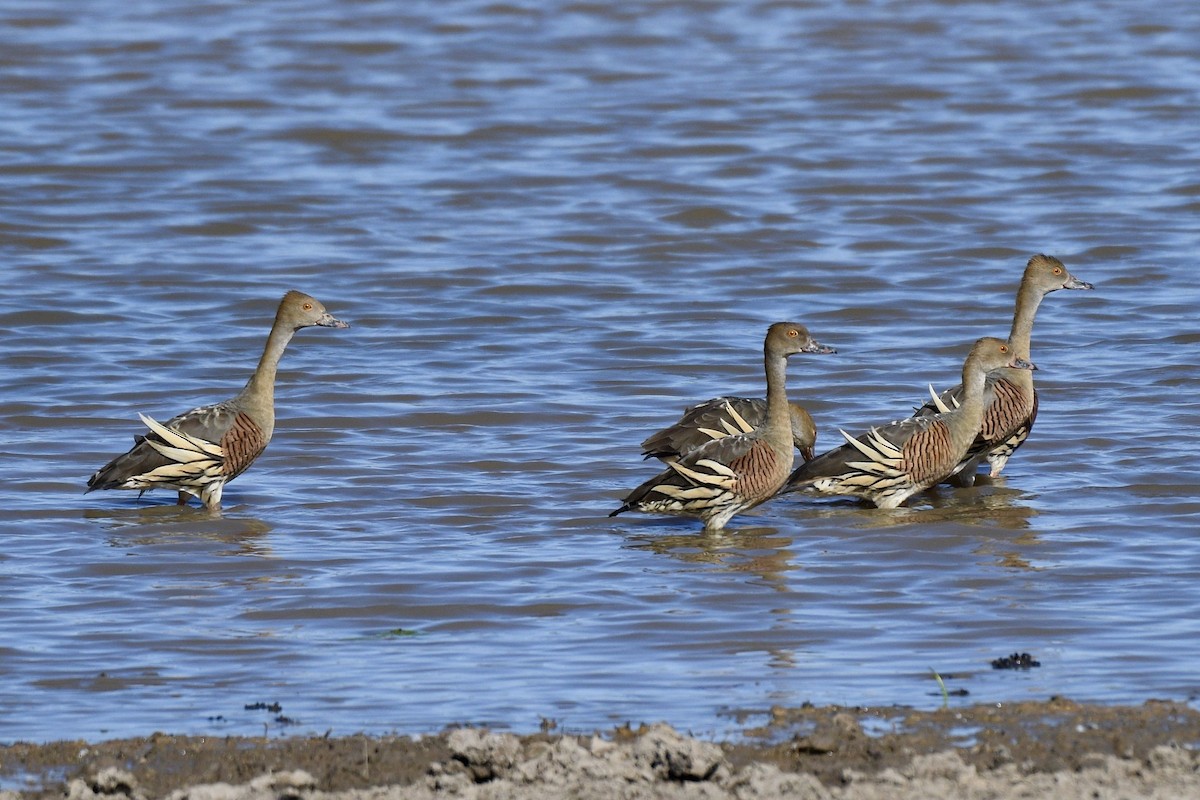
[[1016, 661]]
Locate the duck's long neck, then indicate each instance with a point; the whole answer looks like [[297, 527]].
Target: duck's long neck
[[779, 421], [1029, 297], [968, 417], [258, 396]]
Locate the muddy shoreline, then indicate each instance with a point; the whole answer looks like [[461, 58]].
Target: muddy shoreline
[[1014, 750]]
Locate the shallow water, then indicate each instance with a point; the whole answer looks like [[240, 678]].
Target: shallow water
[[552, 226]]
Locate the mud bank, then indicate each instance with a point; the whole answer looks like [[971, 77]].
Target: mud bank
[[1056, 748]]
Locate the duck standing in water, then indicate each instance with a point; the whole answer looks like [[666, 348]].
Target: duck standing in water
[[891, 463], [731, 474], [1010, 401], [201, 450]]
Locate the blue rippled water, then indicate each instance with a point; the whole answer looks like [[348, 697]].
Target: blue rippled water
[[552, 226]]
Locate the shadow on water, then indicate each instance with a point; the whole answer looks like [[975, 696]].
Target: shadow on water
[[988, 503], [769, 554], [156, 525], [762, 552]]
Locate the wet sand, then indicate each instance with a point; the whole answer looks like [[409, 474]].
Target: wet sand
[[1039, 749]]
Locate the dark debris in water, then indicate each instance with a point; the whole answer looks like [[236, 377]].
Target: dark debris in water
[[397, 633], [274, 708], [1016, 661]]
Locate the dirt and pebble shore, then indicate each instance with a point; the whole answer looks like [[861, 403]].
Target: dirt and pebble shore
[[1055, 748]]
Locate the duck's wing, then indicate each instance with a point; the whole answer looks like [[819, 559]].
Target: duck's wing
[[185, 444], [702, 423]]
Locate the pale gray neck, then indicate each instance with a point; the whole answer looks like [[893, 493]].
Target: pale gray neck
[[259, 393], [1029, 297], [969, 415], [779, 420]]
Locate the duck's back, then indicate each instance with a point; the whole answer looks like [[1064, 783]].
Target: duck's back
[[725, 416], [228, 429]]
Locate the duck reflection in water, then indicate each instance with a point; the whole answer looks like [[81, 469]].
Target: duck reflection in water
[[762, 552], [153, 526]]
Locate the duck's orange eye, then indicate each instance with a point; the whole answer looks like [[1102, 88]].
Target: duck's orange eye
[[1058, 270], [308, 306], [792, 332], [1003, 348]]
